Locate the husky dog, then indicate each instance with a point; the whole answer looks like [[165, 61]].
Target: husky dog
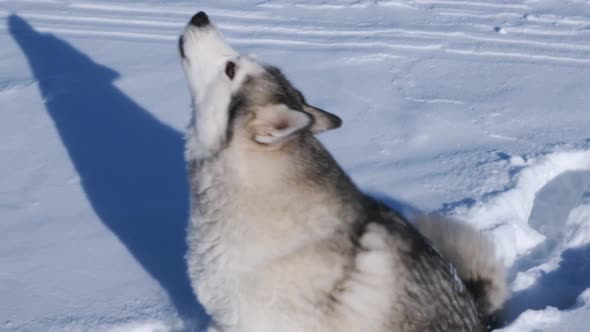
[[281, 239]]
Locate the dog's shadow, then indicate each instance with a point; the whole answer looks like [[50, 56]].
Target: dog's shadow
[[130, 164]]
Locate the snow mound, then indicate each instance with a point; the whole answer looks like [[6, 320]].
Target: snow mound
[[551, 319], [541, 226], [519, 216]]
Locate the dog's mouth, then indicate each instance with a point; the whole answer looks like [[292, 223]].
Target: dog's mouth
[[181, 47]]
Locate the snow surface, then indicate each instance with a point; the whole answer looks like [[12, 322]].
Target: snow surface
[[477, 109]]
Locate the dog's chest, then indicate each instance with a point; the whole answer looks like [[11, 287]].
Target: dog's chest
[[256, 284], [260, 254]]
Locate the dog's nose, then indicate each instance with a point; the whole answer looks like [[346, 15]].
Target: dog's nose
[[200, 19]]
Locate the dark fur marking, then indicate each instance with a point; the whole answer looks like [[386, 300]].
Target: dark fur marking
[[479, 288], [287, 94], [181, 47], [235, 105]]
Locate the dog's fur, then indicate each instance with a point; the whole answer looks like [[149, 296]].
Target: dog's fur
[[281, 239]]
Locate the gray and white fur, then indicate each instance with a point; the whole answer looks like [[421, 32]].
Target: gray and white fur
[[280, 238]]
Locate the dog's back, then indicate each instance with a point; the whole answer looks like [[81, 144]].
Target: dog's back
[[431, 295]]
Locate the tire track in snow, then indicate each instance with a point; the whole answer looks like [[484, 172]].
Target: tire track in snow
[[552, 19], [471, 4], [184, 11], [519, 12], [266, 32], [323, 45], [524, 56], [310, 31], [103, 20], [543, 18], [89, 33]]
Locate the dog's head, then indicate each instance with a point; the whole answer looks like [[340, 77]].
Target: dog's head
[[237, 97]]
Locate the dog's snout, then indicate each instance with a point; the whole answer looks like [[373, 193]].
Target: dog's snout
[[200, 19]]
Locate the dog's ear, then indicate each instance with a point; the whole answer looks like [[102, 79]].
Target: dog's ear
[[322, 120], [278, 123]]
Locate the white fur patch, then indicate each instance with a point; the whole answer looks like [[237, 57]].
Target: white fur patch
[[206, 55], [370, 291]]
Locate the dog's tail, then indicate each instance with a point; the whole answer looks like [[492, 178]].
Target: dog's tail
[[474, 258]]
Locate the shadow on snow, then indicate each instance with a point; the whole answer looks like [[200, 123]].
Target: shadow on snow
[[559, 288], [131, 165]]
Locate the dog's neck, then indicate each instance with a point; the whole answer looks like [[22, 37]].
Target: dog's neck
[[274, 198]]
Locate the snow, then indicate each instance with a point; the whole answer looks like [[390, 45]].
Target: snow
[[553, 320], [476, 109]]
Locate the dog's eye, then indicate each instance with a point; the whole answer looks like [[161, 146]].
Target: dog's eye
[[230, 69]]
